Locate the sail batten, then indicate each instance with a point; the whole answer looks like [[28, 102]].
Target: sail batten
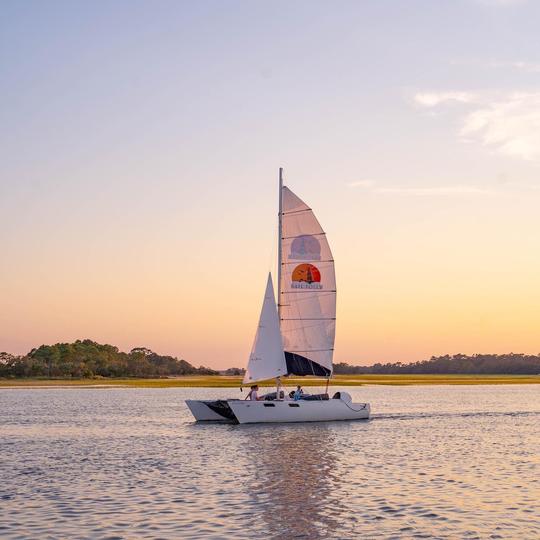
[[307, 320]]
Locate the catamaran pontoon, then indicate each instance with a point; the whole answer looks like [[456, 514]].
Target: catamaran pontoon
[[296, 337]]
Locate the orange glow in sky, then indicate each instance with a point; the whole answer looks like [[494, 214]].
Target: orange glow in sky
[[138, 174]]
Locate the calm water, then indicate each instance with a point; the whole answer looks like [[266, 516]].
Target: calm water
[[438, 461]]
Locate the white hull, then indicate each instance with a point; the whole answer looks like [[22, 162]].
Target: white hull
[[251, 412]]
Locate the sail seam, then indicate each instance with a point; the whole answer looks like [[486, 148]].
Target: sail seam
[[309, 319], [296, 211], [300, 235], [308, 350], [296, 262], [313, 291]]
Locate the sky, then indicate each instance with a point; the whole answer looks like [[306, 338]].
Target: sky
[[139, 151]]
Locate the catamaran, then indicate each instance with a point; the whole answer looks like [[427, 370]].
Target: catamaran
[[295, 336]]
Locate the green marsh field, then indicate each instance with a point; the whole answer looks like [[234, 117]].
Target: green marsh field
[[217, 381]]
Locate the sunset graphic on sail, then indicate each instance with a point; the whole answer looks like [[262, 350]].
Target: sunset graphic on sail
[[306, 276]]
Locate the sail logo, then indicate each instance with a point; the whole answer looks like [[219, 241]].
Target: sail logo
[[305, 248], [306, 276]]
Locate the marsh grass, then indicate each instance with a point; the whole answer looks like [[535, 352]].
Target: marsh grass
[[220, 381]]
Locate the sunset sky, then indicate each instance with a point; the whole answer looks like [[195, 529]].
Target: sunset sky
[[139, 151]]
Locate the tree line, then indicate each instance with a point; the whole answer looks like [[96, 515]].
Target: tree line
[[485, 364], [86, 359]]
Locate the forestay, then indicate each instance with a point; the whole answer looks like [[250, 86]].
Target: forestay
[[307, 290], [266, 360]]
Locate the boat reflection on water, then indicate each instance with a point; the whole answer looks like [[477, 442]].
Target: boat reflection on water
[[293, 476]]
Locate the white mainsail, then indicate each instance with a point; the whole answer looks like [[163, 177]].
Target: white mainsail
[[307, 290], [267, 359]]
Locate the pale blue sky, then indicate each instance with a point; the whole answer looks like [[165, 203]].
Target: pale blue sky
[[140, 142]]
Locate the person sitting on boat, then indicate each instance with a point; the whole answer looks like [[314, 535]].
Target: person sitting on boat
[[298, 394], [279, 388], [253, 396]]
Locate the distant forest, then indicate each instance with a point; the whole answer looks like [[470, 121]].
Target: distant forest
[[485, 364], [87, 359]]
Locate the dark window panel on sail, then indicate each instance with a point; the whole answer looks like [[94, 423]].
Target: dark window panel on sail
[[298, 364]]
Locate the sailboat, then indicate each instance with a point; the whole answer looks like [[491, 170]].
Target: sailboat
[[295, 335]]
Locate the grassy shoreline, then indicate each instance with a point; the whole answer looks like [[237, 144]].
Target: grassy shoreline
[[216, 381]]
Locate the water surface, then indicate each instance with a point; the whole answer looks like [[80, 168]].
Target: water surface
[[435, 462]]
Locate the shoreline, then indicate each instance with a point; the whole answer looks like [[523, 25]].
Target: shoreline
[[222, 381]]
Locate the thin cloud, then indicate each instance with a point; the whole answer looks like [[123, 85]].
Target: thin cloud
[[362, 183], [435, 190], [372, 187], [519, 65], [508, 124], [502, 3], [529, 67], [511, 125], [432, 99]]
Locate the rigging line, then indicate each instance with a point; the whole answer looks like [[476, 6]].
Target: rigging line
[[272, 255], [355, 410]]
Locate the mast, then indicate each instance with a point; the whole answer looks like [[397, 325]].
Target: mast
[[280, 226]]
